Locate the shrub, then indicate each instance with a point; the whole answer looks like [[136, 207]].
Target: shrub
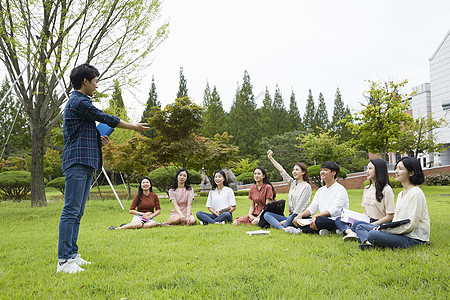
[[162, 178], [58, 183], [314, 174], [392, 182], [245, 178], [15, 185], [244, 166], [236, 193], [438, 178]]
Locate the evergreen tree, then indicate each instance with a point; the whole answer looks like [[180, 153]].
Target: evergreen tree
[[244, 120], [215, 119], [339, 114], [279, 116], [321, 118], [294, 118], [266, 115], [151, 107], [117, 108], [310, 112], [20, 138], [182, 90]]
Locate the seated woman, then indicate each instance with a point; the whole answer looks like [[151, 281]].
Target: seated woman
[[299, 195], [377, 200], [411, 205], [261, 193], [181, 195], [143, 207], [221, 202]]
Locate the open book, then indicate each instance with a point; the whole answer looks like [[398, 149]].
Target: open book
[[258, 232], [104, 129], [304, 222], [349, 216]]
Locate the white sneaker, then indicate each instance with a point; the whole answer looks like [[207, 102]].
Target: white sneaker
[[79, 261], [324, 232], [68, 267], [338, 232], [201, 223], [294, 230], [220, 223], [352, 236]]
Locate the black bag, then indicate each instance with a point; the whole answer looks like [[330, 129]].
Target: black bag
[[276, 207], [394, 224]]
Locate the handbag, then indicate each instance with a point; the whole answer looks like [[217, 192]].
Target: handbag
[[276, 207]]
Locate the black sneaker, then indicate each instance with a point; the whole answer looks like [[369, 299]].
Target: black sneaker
[[123, 224], [112, 227]]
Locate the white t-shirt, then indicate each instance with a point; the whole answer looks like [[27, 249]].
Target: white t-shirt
[[220, 201], [375, 209], [332, 199]]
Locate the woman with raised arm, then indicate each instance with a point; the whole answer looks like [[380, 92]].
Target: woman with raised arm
[[181, 195], [144, 208], [261, 193], [299, 195], [411, 223], [221, 202], [377, 200]]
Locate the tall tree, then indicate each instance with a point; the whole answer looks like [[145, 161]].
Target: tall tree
[[215, 119], [294, 118], [321, 120], [244, 119], [151, 107], [310, 112], [266, 114], [19, 134], [182, 89], [279, 113], [47, 38], [340, 115]]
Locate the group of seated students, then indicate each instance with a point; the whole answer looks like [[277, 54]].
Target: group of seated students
[[404, 225]]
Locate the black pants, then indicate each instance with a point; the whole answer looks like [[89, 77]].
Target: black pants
[[321, 223]]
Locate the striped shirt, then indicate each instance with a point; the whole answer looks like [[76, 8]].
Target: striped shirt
[[82, 143], [299, 194]]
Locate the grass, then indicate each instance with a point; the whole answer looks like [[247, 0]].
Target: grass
[[215, 261]]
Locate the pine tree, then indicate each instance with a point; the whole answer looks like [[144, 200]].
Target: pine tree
[[266, 115], [310, 112], [182, 90], [117, 108], [294, 118], [151, 107], [215, 119], [244, 120], [279, 117], [321, 117], [340, 113]]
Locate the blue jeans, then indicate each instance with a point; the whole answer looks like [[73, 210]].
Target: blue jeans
[[344, 226], [275, 219], [78, 183], [212, 218], [365, 232]]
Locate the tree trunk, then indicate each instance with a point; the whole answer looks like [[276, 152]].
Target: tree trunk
[[37, 166]]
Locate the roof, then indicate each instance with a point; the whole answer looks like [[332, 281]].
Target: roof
[[440, 45]]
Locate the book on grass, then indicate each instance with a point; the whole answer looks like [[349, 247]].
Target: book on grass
[[393, 224], [349, 216], [304, 222], [258, 232], [104, 129]]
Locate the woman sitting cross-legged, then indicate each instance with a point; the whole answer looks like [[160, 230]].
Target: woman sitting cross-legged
[[181, 195], [261, 193], [377, 200], [411, 208], [221, 202], [143, 207]]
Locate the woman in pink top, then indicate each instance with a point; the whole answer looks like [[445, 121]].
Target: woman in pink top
[[261, 193], [181, 195]]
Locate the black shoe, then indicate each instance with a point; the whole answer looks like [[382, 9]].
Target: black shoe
[[365, 246], [112, 227], [123, 224]]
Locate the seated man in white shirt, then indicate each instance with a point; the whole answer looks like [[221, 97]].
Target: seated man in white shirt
[[329, 200]]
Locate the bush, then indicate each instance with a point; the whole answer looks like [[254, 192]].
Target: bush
[[15, 185], [245, 178], [392, 182], [438, 178], [58, 183], [162, 178], [314, 174], [236, 193]]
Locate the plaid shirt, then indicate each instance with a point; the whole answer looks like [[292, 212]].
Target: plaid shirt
[[82, 143]]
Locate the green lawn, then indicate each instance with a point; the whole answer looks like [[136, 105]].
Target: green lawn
[[215, 261]]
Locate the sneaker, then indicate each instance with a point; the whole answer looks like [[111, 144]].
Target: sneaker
[[112, 227], [68, 267], [79, 261], [220, 223], [293, 230], [123, 224], [324, 232], [364, 247], [352, 236], [201, 223], [338, 232]]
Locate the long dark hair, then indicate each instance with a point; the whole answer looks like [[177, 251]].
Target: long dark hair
[[187, 183], [304, 169], [225, 181], [266, 180], [381, 176], [140, 190]]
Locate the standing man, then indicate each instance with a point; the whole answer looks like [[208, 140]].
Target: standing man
[[329, 200], [82, 154]]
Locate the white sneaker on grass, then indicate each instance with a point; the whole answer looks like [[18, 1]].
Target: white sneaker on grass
[[324, 232], [338, 232], [69, 267], [79, 261], [352, 236], [220, 223], [294, 230]]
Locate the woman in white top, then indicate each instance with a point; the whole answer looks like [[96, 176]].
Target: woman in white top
[[411, 205], [299, 194], [221, 202], [378, 199]]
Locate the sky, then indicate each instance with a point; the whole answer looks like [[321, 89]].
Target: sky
[[299, 45]]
